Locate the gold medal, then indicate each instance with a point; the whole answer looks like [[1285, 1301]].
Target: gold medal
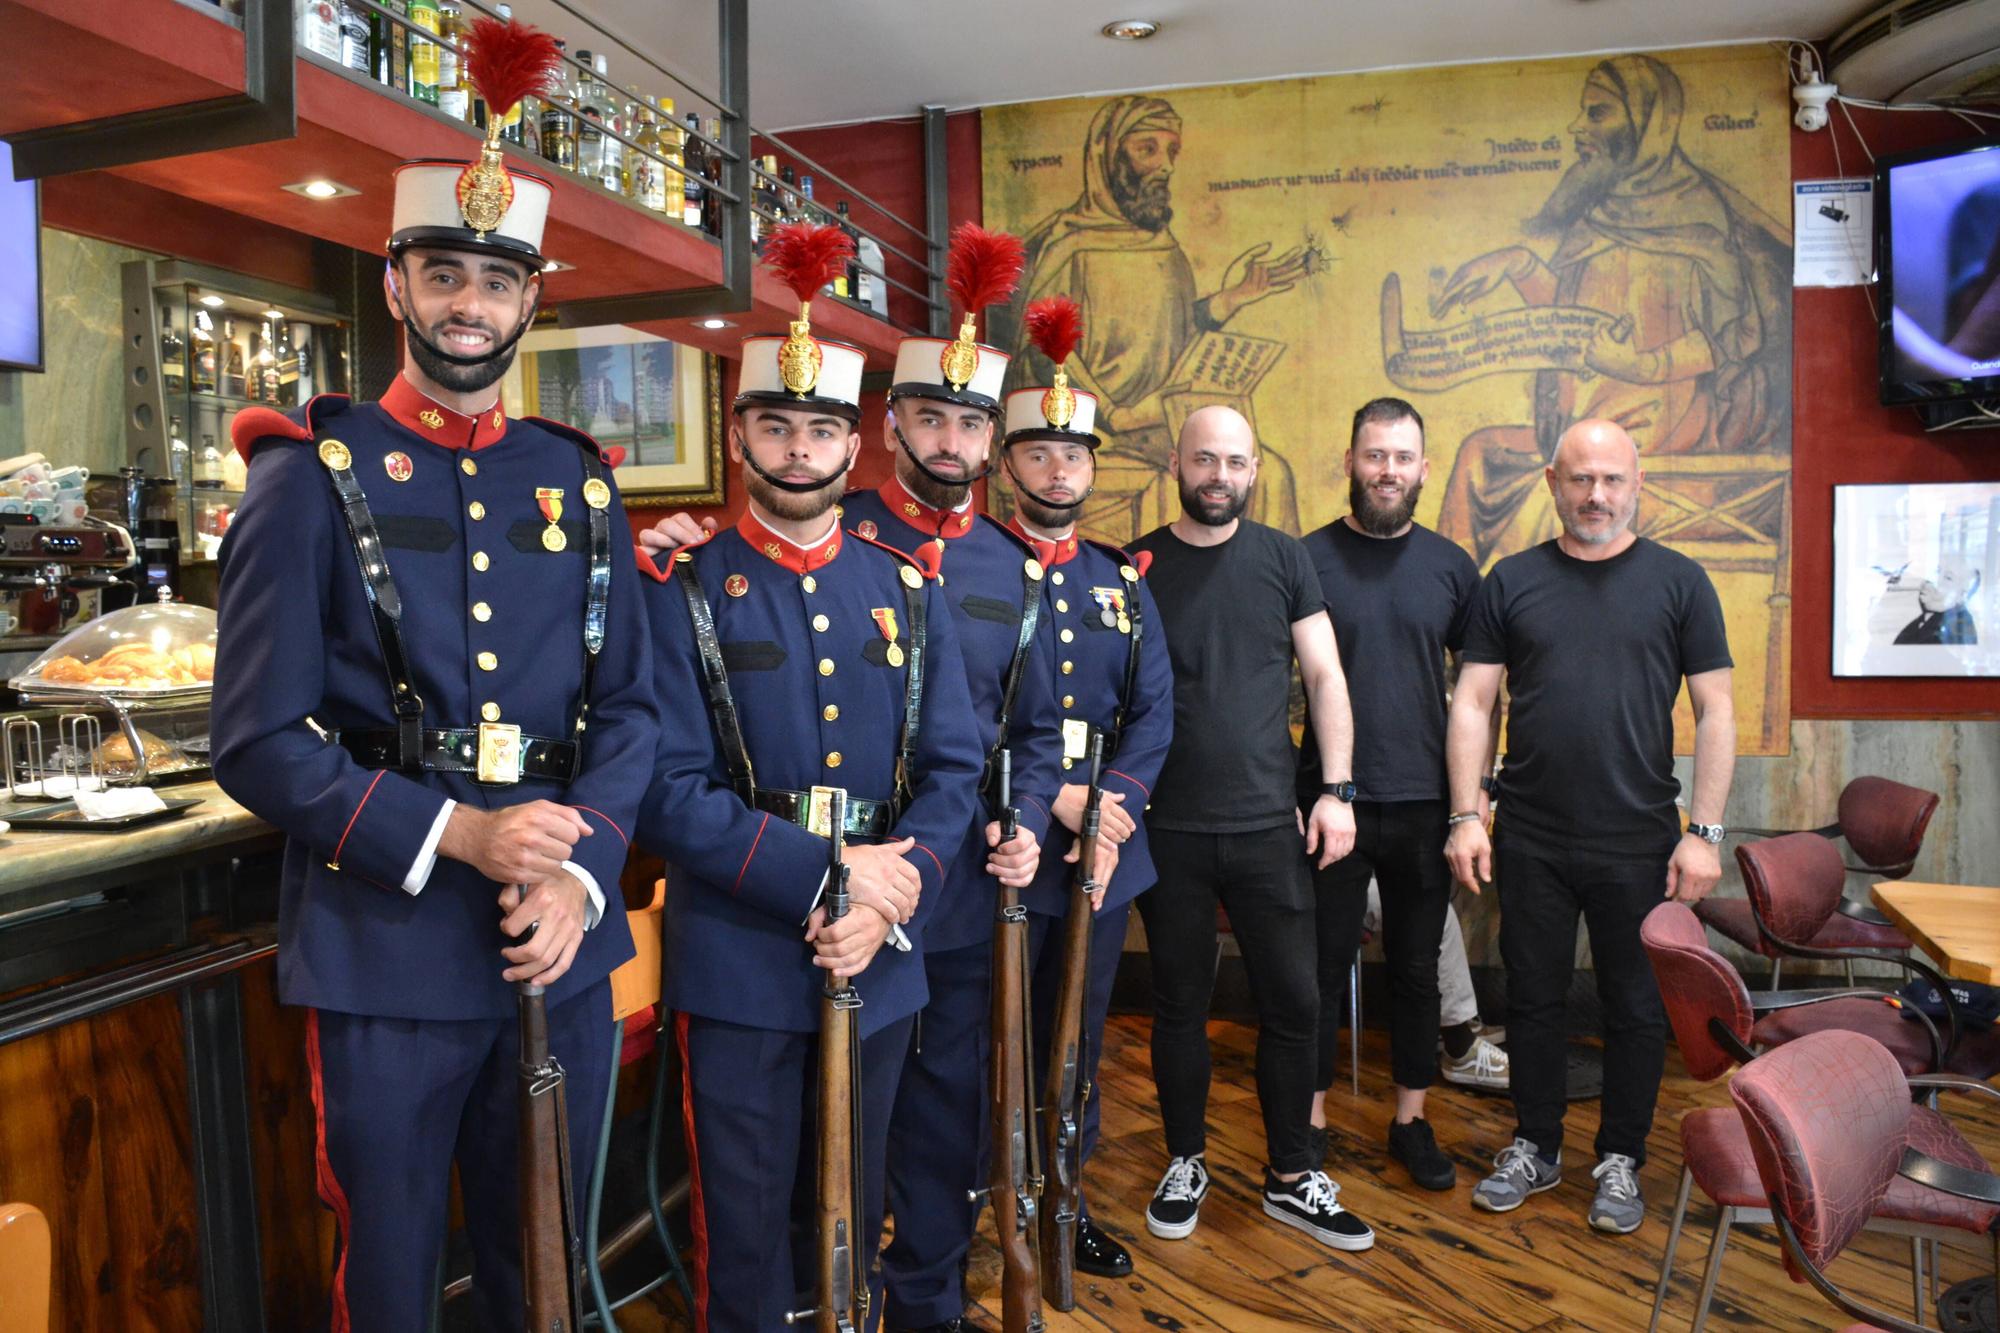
[[553, 539], [596, 494], [549, 499], [895, 655], [334, 454], [1124, 625]]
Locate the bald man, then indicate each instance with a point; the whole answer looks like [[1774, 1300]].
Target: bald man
[[1595, 631], [1239, 601]]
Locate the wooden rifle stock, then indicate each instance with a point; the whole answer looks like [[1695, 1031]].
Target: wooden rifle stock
[[1065, 1090], [550, 1250], [1015, 1181], [840, 1288]]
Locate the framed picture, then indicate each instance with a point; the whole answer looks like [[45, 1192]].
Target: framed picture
[[658, 401], [1916, 580]]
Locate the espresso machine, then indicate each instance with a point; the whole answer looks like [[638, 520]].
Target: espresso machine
[[54, 578]]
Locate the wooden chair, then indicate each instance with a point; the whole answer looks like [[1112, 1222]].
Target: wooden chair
[[24, 1269]]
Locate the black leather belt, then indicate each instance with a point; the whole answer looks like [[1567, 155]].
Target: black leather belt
[[495, 755], [811, 811]]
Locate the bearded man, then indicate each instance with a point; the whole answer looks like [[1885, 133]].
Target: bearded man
[[1700, 360]]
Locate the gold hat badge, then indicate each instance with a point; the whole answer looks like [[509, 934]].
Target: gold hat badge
[[506, 62], [1055, 326], [984, 268]]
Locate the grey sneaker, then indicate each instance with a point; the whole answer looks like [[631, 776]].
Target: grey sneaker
[[1517, 1172], [1618, 1207], [1484, 1066]]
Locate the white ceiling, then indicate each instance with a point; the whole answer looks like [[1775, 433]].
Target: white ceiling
[[821, 62]]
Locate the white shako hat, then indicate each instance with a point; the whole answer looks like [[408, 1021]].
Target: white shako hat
[[1028, 417], [837, 389], [983, 270], [920, 373], [430, 210]]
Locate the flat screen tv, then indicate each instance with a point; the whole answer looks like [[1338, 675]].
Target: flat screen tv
[[20, 269], [1937, 240]]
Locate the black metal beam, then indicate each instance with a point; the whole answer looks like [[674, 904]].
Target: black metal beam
[[937, 216], [266, 109], [732, 295], [225, 1181]]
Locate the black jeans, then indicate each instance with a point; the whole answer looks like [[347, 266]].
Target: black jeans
[[1401, 844], [1265, 885], [1544, 887]]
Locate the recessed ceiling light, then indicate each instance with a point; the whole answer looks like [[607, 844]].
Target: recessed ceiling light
[[274, 313], [1130, 30], [322, 189], [715, 323], [212, 302]]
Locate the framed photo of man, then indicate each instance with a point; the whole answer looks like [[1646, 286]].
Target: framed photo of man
[[658, 401], [1916, 579]]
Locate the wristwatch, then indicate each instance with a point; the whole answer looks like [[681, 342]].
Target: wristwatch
[[1709, 833], [1339, 791]]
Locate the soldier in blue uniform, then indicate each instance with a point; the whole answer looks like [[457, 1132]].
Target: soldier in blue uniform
[[1112, 679], [435, 678], [827, 660]]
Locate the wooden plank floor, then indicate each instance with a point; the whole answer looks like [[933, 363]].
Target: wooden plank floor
[[1437, 1263]]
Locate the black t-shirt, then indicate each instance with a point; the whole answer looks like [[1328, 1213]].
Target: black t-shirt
[[1399, 604], [1228, 611], [1595, 651]]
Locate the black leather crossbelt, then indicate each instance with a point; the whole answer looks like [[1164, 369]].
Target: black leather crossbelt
[[810, 810], [458, 752]]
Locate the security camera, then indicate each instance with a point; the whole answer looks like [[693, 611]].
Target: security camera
[[1812, 99]]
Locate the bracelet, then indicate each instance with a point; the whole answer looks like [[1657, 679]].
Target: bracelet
[[1460, 818]]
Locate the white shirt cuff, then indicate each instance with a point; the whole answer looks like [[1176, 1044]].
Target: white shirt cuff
[[427, 855], [589, 882], [897, 939]]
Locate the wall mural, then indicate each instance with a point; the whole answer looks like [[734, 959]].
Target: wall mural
[[1509, 246]]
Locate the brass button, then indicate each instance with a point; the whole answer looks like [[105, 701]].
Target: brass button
[[488, 662], [1068, 762], [826, 666], [1068, 635], [477, 510], [468, 467], [490, 711], [479, 561], [1068, 667], [1061, 605], [482, 612], [809, 583], [831, 712], [833, 759], [1056, 578], [820, 623], [1069, 701]]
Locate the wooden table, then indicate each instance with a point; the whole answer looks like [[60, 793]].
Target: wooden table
[[1957, 924]]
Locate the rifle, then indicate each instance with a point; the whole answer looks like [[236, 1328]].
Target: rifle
[[550, 1251], [840, 1290], [1016, 1177], [1067, 1088]]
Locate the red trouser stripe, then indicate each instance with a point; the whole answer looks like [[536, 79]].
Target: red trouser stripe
[[697, 1209], [330, 1191]]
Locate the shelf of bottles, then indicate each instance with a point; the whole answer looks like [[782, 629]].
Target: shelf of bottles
[[220, 352], [636, 146]]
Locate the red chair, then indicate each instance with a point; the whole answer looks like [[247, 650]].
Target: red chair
[[1830, 1127], [1716, 1018], [1883, 823], [1795, 882]]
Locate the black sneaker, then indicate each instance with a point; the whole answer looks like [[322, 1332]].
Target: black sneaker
[[1316, 1144], [1176, 1205], [1098, 1254], [1416, 1148], [1312, 1204]]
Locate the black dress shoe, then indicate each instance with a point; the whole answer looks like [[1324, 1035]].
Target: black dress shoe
[[1098, 1254]]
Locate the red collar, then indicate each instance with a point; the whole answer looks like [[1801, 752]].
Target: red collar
[[417, 413], [1049, 553], [785, 553], [945, 523]]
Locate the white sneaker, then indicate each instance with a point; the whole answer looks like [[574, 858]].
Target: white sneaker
[[1484, 1066]]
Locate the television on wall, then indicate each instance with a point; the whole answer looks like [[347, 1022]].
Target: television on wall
[[1937, 240], [20, 268]]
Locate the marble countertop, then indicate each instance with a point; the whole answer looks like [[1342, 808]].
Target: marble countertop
[[34, 859]]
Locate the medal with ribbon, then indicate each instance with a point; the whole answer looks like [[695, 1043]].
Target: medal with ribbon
[[885, 620], [550, 500]]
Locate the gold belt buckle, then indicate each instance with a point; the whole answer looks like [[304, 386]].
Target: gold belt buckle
[[499, 753], [819, 810]]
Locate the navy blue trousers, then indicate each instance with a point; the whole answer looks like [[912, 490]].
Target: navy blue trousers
[[399, 1100], [1107, 943], [751, 1117], [936, 1137]]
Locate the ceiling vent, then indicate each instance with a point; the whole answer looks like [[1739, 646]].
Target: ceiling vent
[[1944, 51]]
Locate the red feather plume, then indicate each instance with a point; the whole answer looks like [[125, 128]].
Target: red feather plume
[[806, 257], [985, 266], [1055, 324], [507, 61]]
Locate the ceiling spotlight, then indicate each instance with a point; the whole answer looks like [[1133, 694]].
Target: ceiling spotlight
[[715, 323], [1130, 30], [322, 189], [274, 313], [212, 302]]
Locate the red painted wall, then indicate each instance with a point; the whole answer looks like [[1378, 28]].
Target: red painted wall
[[1841, 433]]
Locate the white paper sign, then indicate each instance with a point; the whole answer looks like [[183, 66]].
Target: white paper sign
[[1833, 233]]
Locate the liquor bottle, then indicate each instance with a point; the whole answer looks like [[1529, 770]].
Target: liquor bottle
[[454, 95], [205, 359], [392, 47], [615, 116], [267, 363], [288, 367], [788, 194], [208, 465], [673, 149], [649, 186], [424, 54], [694, 185], [848, 282], [173, 354], [235, 363], [302, 351], [356, 38], [319, 28], [558, 125], [869, 288], [589, 119], [711, 171], [180, 464], [769, 209]]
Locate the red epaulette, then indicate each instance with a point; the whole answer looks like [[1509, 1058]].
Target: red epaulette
[[925, 566], [612, 456], [662, 570], [252, 424], [1143, 562]]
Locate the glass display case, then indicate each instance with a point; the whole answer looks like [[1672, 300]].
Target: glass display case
[[203, 344]]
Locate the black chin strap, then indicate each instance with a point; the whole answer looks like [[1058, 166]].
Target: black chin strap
[[797, 487], [1015, 477], [918, 463], [452, 358]]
